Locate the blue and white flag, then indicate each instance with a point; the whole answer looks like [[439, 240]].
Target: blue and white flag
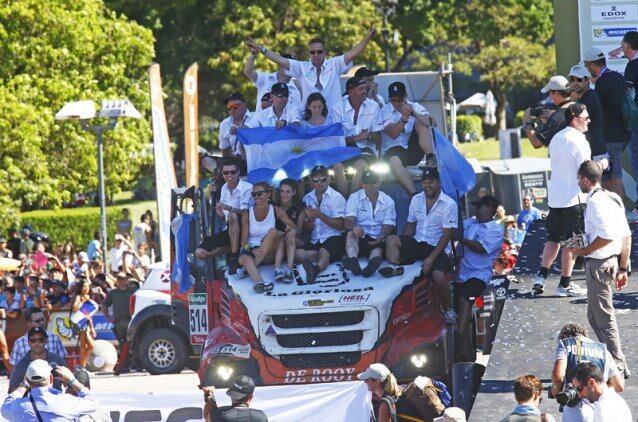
[[82, 315], [292, 151], [457, 174]]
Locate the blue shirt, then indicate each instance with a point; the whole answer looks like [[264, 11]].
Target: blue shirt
[[53, 405], [92, 247], [490, 236], [527, 217]]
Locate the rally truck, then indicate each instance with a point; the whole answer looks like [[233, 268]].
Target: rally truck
[[299, 333]]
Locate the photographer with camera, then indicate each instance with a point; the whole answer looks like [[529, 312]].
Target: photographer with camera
[[606, 257], [573, 348], [609, 406], [36, 401], [540, 125]]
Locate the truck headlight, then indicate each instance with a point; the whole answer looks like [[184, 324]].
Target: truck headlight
[[224, 372], [380, 167], [418, 360]]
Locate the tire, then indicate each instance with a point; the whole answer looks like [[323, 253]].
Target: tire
[[162, 351]]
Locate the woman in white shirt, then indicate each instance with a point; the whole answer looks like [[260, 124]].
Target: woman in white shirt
[[259, 235]]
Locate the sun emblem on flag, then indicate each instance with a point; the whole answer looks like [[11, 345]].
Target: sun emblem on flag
[[297, 148]]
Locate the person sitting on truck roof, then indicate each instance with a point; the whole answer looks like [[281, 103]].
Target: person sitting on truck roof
[[234, 200], [432, 217], [370, 218], [400, 118], [294, 209], [325, 210], [260, 237], [282, 112]]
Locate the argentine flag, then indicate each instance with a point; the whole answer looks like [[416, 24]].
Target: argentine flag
[[274, 154], [457, 174]]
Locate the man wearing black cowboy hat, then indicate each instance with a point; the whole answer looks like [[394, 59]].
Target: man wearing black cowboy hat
[[241, 394]]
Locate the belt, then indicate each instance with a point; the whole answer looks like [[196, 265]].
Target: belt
[[600, 259]]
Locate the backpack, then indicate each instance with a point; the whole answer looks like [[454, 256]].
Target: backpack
[[444, 393], [629, 109], [426, 404]]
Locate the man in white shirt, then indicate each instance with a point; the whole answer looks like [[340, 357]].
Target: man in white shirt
[[367, 75], [370, 218], [360, 118], [325, 209], [400, 118], [567, 151], [234, 200], [282, 112], [432, 217], [116, 253], [317, 74], [606, 257], [239, 117], [265, 80], [609, 406]]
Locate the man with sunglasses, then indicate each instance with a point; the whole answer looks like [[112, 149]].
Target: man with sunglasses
[[318, 74], [37, 338], [21, 347], [239, 117], [282, 112], [325, 210], [400, 118], [263, 81], [266, 101], [540, 135], [234, 200], [370, 218], [608, 405]]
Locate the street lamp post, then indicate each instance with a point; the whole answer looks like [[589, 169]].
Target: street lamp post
[[85, 111], [386, 8]]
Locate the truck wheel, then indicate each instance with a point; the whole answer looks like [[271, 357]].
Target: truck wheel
[[162, 351]]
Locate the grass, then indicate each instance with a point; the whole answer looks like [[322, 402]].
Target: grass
[[489, 149]]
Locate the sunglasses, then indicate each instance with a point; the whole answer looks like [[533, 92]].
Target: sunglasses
[[266, 101], [258, 194], [233, 106], [280, 96], [36, 340], [586, 119], [574, 79], [320, 179], [313, 52], [37, 321], [581, 387], [229, 172]]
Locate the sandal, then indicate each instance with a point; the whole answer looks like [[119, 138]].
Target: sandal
[[263, 287]]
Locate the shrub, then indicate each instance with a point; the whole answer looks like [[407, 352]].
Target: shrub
[[518, 119], [469, 124]]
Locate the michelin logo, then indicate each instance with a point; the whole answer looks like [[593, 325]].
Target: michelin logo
[[612, 32]]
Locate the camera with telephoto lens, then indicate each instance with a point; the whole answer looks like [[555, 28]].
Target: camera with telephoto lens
[[568, 397]]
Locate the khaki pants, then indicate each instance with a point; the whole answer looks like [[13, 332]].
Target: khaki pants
[[600, 275]]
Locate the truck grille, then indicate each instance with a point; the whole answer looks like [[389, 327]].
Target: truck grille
[[326, 319], [320, 360], [341, 338]]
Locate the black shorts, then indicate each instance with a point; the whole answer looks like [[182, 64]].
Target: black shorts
[[367, 155], [215, 241], [335, 246], [563, 223], [412, 251], [397, 151], [364, 248], [469, 290]]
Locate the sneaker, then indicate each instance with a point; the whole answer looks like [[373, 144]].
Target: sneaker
[[312, 271], [539, 285], [430, 162], [241, 272], [372, 267], [279, 274], [288, 276], [572, 290], [391, 271], [232, 266], [450, 317], [351, 264], [632, 217]]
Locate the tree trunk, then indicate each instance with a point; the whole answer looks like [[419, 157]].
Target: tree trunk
[[501, 117]]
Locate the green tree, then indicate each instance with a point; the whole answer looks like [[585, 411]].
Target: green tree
[[54, 52]]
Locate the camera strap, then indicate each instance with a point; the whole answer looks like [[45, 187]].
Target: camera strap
[[37, 412]]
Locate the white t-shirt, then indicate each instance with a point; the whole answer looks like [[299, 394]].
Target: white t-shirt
[[369, 118], [331, 70], [567, 151], [371, 221], [116, 257], [610, 407], [265, 81], [267, 117], [139, 234], [226, 140], [390, 115], [429, 226], [237, 198], [605, 218], [333, 205]]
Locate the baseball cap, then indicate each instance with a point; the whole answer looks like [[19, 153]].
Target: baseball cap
[[579, 71], [265, 97], [3, 240], [376, 371], [364, 71], [242, 387], [25, 231], [353, 82], [84, 257], [556, 83], [487, 200], [118, 237], [120, 275], [593, 54], [235, 96], [430, 173], [319, 169], [452, 414], [279, 89], [37, 330], [370, 177], [38, 370], [397, 89]]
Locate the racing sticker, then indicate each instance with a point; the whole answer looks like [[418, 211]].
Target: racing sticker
[[238, 350], [198, 317]]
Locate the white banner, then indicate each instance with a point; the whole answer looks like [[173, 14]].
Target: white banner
[[333, 402]]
